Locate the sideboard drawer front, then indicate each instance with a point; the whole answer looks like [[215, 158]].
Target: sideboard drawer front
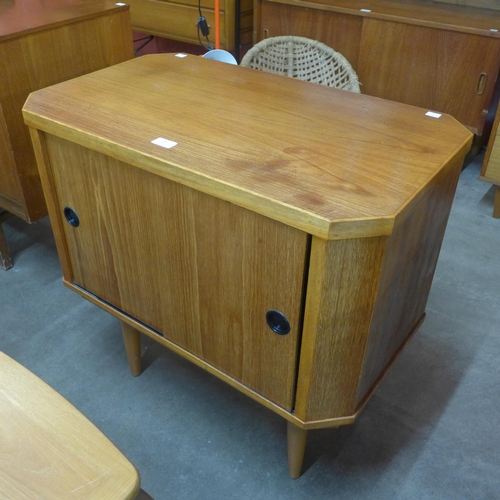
[[176, 20], [201, 271]]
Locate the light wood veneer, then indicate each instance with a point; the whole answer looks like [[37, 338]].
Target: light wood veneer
[[50, 450], [280, 195]]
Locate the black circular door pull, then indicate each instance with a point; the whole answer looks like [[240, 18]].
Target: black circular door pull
[[277, 322], [71, 216]]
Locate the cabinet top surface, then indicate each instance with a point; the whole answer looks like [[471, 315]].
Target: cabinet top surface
[[328, 161], [19, 17], [425, 12]]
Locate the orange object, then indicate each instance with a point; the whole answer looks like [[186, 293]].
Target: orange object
[[217, 24]]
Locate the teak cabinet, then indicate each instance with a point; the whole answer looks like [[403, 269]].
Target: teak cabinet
[[285, 240], [42, 43], [441, 57]]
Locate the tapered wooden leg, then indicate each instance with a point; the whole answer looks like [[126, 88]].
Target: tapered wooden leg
[[132, 339], [142, 495], [5, 260], [296, 441], [496, 205]]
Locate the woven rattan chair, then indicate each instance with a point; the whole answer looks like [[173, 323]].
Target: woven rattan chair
[[302, 58]]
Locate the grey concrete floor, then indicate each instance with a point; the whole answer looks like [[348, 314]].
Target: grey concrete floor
[[431, 430]]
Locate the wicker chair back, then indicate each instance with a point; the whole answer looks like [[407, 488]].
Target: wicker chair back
[[302, 58]]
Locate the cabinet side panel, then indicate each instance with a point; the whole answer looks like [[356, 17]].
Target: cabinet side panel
[[491, 168], [200, 271], [341, 293], [38, 139], [409, 265], [491, 144], [42, 59], [342, 32], [10, 187], [432, 68]]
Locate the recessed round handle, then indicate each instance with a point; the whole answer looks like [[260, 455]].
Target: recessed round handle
[[277, 322], [71, 216]]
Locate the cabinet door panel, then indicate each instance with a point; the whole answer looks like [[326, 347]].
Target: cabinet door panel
[[342, 32], [431, 68], [201, 271]]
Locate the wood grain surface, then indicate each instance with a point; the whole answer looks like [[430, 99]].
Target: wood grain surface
[[43, 43], [10, 184], [51, 450], [410, 260], [329, 162], [177, 20], [421, 12], [364, 299], [341, 294], [201, 271], [21, 17], [212, 370]]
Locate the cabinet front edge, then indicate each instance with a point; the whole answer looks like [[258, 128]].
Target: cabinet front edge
[[311, 223]]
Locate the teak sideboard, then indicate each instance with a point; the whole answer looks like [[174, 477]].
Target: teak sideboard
[[43, 42], [177, 20], [428, 54], [281, 235]]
